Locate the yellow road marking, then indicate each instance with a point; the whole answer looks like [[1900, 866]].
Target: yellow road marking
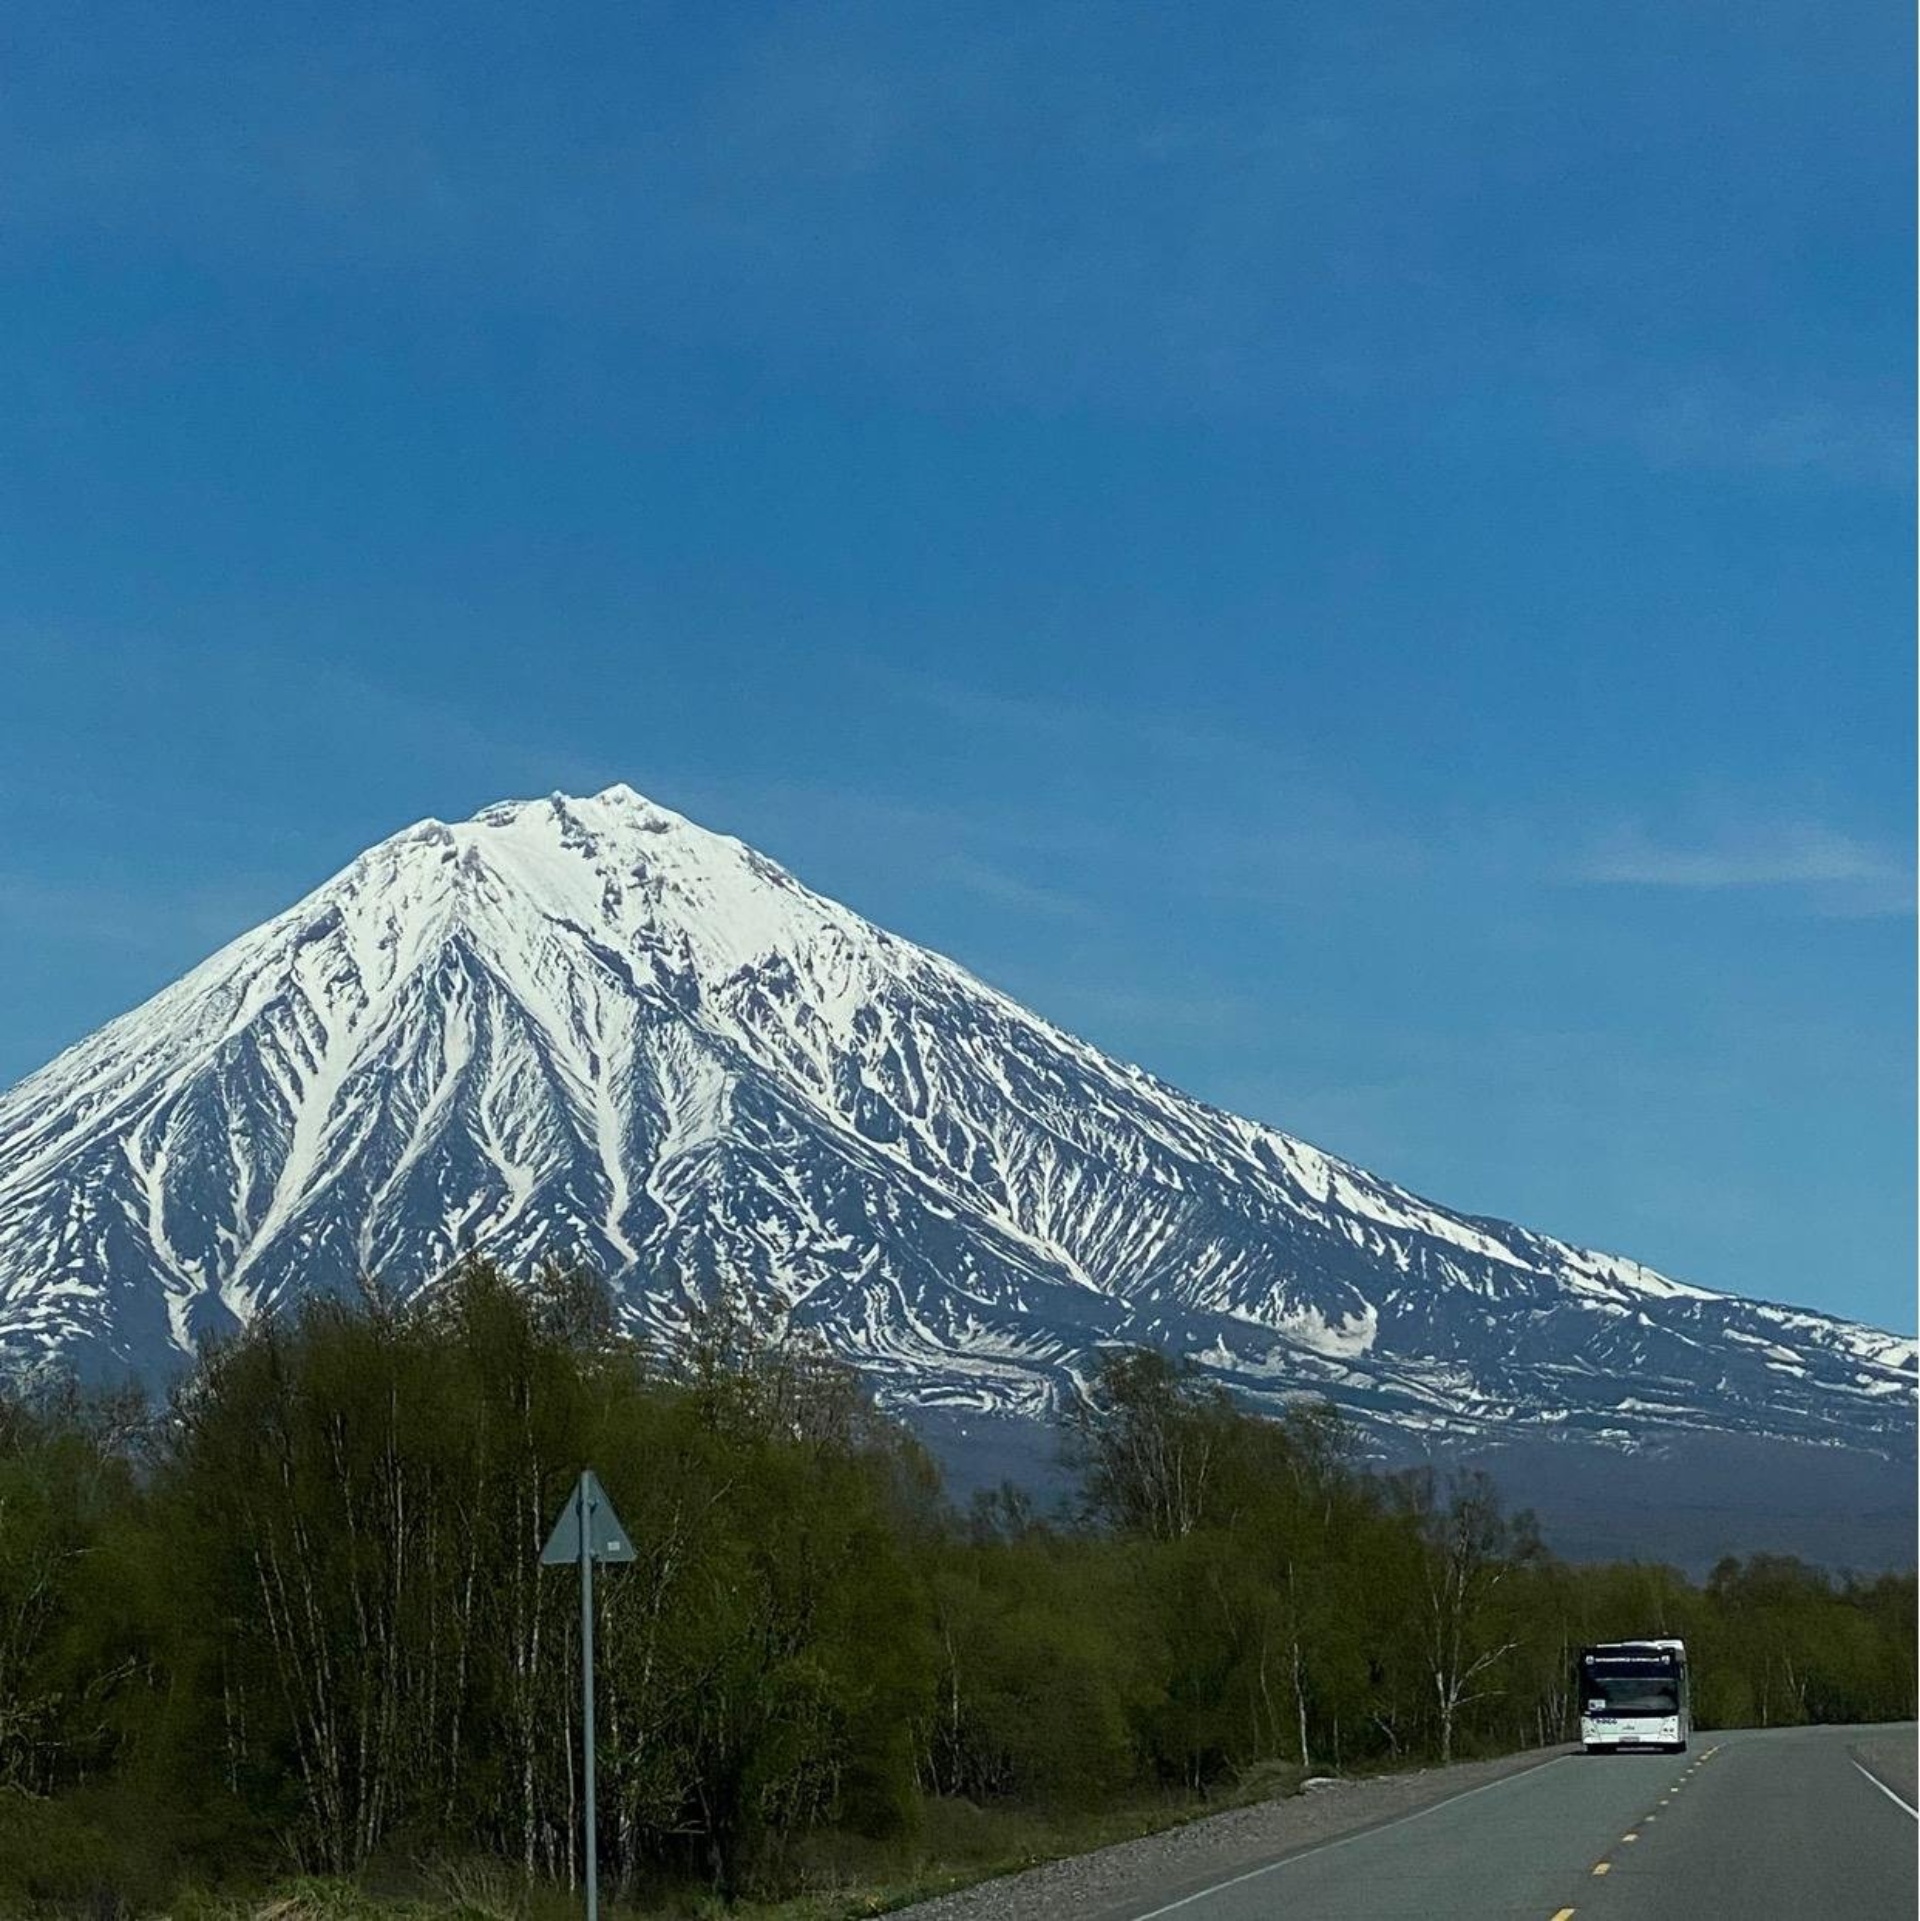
[[1565, 1914], [1605, 1867]]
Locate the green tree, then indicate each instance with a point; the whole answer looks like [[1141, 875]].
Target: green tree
[[1470, 1549]]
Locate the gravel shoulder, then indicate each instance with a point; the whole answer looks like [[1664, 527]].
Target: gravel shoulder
[[1134, 1875], [1892, 1758]]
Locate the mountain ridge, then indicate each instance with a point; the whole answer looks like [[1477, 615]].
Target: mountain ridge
[[593, 1027]]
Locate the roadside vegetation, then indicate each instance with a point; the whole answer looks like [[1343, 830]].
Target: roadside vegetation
[[283, 1648]]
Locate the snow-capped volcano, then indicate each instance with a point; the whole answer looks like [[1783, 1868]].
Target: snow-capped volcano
[[590, 1027]]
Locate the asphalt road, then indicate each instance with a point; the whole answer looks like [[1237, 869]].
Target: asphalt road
[[1753, 1826]]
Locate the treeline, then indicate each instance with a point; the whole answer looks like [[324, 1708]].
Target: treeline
[[296, 1617]]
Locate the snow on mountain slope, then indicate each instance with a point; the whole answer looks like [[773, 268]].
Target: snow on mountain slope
[[591, 1027]]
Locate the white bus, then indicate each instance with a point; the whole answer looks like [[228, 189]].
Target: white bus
[[1634, 1694]]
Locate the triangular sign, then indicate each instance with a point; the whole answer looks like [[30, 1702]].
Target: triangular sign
[[606, 1537]]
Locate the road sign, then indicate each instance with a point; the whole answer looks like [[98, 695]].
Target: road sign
[[587, 1531], [609, 1539]]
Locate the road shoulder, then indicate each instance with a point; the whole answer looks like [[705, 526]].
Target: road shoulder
[[1892, 1760], [1133, 1876]]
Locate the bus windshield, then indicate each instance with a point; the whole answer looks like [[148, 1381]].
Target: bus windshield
[[1651, 1691]]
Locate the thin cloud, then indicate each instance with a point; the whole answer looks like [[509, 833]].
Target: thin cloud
[[1718, 428], [1032, 716], [1798, 855], [1010, 890], [1149, 1013], [1059, 721], [1295, 831]]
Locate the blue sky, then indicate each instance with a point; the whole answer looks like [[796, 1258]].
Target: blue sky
[[1357, 555]]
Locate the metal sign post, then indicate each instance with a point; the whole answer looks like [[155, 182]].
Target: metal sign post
[[587, 1531]]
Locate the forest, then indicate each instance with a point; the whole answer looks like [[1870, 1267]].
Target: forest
[[292, 1622]]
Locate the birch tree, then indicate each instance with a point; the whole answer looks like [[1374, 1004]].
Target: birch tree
[[1469, 1549]]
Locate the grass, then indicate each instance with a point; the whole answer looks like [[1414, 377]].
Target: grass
[[833, 1877], [961, 1844]]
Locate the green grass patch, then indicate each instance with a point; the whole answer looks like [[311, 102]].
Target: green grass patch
[[832, 1877]]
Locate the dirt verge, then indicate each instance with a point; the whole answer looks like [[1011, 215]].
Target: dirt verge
[[1133, 1875]]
